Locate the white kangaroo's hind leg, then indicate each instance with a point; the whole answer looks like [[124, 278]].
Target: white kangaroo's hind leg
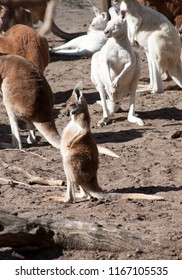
[[105, 120], [158, 85], [151, 76], [133, 87], [131, 114], [16, 141]]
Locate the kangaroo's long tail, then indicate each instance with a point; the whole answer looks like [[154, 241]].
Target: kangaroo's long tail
[[106, 151], [49, 131]]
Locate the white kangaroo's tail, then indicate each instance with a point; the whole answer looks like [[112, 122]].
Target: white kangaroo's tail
[[49, 131], [106, 151]]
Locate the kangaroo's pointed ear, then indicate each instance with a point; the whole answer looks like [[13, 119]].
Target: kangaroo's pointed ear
[[96, 11], [104, 15], [78, 90], [113, 12]]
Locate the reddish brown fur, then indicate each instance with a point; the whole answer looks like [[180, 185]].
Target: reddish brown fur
[[80, 153], [27, 95], [26, 42]]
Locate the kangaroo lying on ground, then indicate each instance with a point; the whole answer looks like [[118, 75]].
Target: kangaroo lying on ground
[[27, 97], [43, 10], [10, 16], [87, 44], [159, 38], [115, 70], [80, 156], [26, 42]]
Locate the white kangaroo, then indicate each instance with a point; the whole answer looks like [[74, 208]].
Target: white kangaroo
[[115, 70], [87, 44], [159, 38]]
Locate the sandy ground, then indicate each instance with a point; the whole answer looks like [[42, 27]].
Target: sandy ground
[[150, 160]]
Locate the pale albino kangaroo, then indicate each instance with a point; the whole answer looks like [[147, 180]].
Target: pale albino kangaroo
[[80, 155], [159, 38], [87, 44], [115, 70], [27, 97]]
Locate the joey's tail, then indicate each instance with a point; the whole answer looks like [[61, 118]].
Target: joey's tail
[[106, 151], [49, 131], [125, 196]]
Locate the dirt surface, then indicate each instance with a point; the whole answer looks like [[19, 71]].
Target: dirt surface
[[150, 160]]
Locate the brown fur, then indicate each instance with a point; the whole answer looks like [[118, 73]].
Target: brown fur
[[9, 16], [78, 148], [28, 97], [80, 155], [43, 10], [26, 42]]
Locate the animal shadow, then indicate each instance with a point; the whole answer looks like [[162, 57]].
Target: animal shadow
[[118, 137]]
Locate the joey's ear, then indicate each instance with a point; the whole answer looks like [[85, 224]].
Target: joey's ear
[[113, 12], [96, 11], [78, 90]]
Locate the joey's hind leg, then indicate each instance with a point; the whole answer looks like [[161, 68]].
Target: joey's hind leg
[[70, 192], [83, 194]]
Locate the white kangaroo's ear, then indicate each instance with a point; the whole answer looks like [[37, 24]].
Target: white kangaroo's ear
[[104, 15], [78, 90], [96, 11], [113, 12]]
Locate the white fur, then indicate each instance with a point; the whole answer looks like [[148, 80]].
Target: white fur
[[87, 44], [159, 38], [115, 70]]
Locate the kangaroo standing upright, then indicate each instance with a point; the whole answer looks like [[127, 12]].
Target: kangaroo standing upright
[[81, 155], [159, 38], [115, 70]]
